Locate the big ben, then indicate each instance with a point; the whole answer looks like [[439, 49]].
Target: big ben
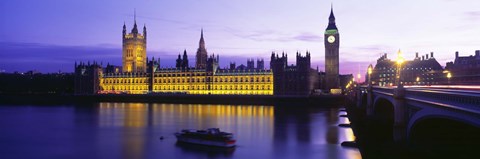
[[332, 44]]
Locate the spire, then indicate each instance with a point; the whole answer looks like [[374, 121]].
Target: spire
[[331, 20], [135, 30], [331, 13], [202, 41], [201, 36]]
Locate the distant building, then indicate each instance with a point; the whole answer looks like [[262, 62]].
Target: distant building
[[420, 71], [332, 45], [208, 78], [345, 79], [465, 69], [137, 75]]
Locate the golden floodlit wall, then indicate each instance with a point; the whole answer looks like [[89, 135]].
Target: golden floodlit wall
[[223, 82], [131, 83]]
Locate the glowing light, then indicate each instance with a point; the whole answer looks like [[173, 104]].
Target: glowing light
[[449, 75], [400, 58]]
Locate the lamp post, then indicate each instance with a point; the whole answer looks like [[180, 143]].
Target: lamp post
[[418, 80], [449, 75], [370, 70], [400, 60]]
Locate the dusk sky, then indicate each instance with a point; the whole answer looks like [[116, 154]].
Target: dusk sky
[[50, 35]]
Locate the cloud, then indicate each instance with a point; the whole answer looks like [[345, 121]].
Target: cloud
[[473, 15], [17, 56], [274, 36], [308, 37]]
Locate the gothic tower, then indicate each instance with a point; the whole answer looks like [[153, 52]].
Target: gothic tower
[[134, 57], [332, 44], [201, 58]]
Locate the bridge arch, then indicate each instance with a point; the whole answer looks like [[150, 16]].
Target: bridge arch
[[364, 100], [440, 135], [383, 118]]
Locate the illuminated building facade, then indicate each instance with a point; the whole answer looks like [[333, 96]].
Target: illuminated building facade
[[419, 71], [185, 80], [465, 69], [207, 78], [134, 58]]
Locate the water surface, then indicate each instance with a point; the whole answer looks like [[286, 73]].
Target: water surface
[[132, 130]]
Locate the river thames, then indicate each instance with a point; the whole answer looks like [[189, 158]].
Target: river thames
[[133, 130]]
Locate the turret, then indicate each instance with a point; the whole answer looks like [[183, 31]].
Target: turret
[[185, 60], [232, 65], [179, 61]]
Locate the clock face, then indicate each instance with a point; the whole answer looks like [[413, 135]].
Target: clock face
[[331, 39]]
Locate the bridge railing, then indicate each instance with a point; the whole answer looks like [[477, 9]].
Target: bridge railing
[[383, 90], [457, 99]]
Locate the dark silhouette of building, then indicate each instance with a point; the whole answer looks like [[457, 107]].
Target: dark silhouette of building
[[113, 69], [297, 79], [260, 64], [465, 69], [34, 82], [201, 58], [87, 77], [332, 44], [232, 65], [250, 64], [182, 63]]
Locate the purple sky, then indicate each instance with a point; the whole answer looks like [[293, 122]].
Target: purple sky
[[50, 35]]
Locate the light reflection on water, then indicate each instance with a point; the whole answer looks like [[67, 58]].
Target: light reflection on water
[[132, 130]]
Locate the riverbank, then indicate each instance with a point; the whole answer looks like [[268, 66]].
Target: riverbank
[[173, 98]]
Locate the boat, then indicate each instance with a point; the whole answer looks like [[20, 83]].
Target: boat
[[209, 137]]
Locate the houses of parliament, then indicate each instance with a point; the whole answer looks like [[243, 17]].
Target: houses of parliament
[[141, 75]]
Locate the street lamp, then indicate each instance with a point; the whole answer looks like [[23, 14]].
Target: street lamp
[[418, 80], [400, 60]]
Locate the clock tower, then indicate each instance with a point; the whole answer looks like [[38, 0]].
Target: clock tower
[[332, 44]]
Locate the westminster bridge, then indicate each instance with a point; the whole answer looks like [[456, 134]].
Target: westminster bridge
[[443, 119]]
